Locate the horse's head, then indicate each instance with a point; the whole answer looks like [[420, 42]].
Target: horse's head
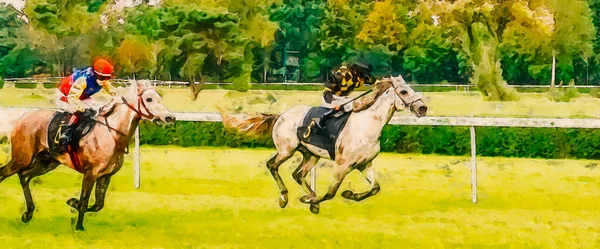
[[143, 99], [406, 96]]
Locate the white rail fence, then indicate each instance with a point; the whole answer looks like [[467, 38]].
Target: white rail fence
[[11, 114], [466, 87]]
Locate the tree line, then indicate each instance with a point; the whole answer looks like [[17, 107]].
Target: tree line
[[488, 43]]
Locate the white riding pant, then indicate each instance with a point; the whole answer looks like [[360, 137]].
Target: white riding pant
[[338, 100]]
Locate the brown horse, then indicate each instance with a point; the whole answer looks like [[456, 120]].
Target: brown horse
[[355, 148], [100, 153]]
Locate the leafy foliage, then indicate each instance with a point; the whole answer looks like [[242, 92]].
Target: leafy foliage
[[485, 42]]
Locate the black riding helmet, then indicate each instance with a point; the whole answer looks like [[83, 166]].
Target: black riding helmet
[[364, 71]]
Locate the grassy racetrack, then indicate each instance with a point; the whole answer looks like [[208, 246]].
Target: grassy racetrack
[[224, 198]]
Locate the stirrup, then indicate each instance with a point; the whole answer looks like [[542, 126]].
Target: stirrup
[[308, 129]]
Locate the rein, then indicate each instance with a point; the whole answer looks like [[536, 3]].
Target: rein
[[406, 104], [357, 97], [138, 111], [106, 115]]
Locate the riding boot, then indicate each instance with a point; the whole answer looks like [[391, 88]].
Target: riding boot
[[66, 138]]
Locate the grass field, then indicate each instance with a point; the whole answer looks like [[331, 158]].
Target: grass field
[[440, 103], [224, 198]]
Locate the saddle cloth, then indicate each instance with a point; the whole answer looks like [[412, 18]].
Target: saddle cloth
[[57, 126], [323, 138]]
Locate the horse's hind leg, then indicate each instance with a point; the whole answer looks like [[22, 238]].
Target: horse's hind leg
[[2, 175], [28, 214], [273, 166], [369, 175], [15, 165], [308, 162], [42, 164]]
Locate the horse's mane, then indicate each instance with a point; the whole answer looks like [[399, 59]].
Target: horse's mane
[[379, 88], [130, 89]]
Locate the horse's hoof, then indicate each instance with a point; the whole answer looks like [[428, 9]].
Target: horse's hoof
[[74, 203], [314, 208], [306, 199], [26, 217], [79, 227], [348, 195], [283, 200]]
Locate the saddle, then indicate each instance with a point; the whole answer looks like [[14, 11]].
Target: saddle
[[324, 138], [56, 129]]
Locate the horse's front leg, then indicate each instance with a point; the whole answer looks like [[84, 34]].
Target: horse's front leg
[[101, 188], [103, 182], [89, 179], [370, 176], [339, 176]]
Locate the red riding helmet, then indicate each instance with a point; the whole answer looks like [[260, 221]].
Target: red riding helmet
[[103, 68]]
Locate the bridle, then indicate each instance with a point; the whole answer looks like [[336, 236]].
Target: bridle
[[138, 111], [412, 101], [141, 104]]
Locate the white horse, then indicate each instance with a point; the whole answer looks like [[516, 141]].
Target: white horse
[[355, 148]]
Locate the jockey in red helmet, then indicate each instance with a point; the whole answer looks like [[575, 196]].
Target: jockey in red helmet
[[75, 91]]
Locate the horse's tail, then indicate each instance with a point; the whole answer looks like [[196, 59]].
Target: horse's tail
[[257, 126]]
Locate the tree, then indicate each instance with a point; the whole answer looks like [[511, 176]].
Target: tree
[[593, 69], [478, 27], [260, 31], [135, 53], [59, 29], [17, 58], [341, 23], [574, 35], [429, 56], [383, 35], [300, 24], [526, 49], [544, 32]]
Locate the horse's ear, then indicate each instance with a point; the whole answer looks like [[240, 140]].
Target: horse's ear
[[400, 79], [142, 84]]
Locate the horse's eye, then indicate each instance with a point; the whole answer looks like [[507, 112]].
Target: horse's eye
[[403, 92], [149, 100]]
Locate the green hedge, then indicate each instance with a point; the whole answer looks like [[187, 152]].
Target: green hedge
[[551, 143], [491, 141], [197, 134]]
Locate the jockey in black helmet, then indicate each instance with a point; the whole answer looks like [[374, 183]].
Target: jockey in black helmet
[[340, 84]]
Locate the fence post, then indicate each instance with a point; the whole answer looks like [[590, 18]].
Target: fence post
[[313, 178], [473, 165], [136, 159]]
